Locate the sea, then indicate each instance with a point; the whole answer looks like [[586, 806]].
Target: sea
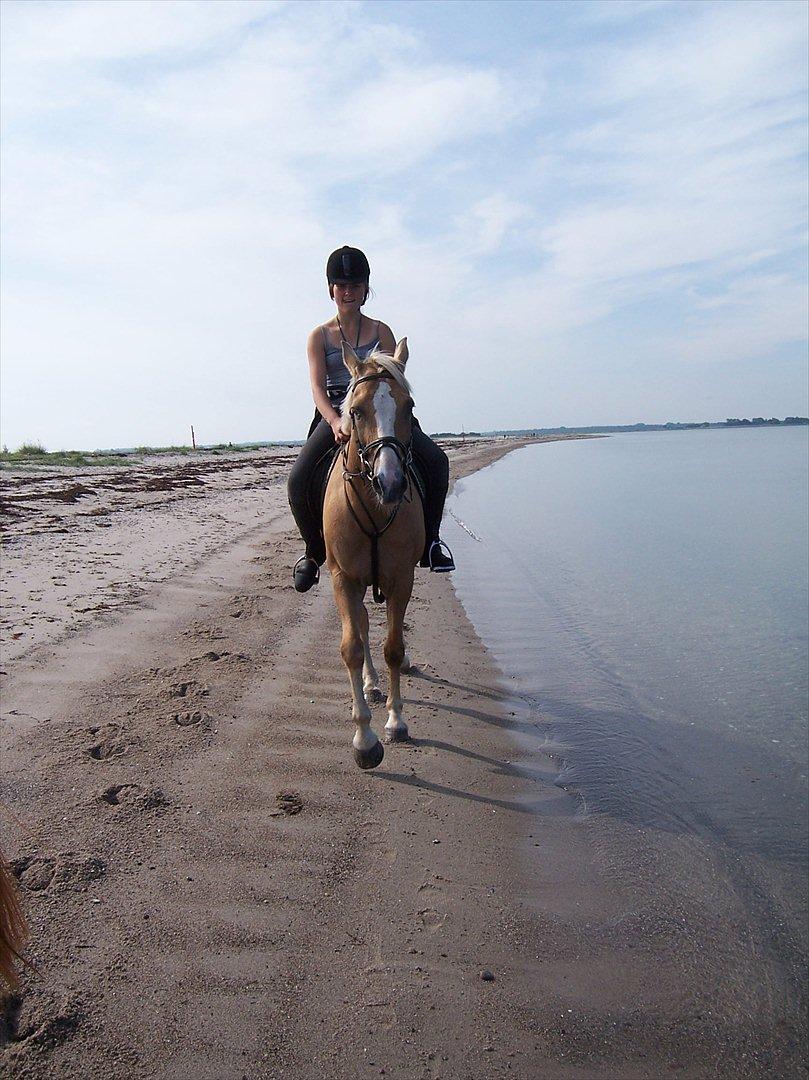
[[646, 597]]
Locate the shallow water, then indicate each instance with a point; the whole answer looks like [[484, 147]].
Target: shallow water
[[649, 593]]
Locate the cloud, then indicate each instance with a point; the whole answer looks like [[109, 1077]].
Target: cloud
[[65, 33], [175, 174]]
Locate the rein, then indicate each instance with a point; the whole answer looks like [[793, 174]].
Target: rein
[[368, 454]]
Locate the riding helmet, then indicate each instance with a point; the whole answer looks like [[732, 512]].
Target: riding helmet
[[347, 266]]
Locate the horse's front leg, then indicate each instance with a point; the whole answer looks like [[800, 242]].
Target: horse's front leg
[[370, 679], [396, 728], [368, 750]]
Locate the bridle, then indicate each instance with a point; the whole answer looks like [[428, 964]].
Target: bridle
[[368, 453]]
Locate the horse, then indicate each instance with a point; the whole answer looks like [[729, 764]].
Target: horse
[[373, 527], [13, 929]]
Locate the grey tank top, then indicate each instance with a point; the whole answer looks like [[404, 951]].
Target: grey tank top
[[337, 374]]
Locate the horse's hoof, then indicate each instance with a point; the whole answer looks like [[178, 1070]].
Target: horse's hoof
[[373, 695], [369, 759], [406, 664], [397, 734]]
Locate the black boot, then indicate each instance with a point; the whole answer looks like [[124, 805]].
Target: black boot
[[438, 557], [305, 573]]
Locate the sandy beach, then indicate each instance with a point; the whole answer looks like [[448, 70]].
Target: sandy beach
[[214, 890]]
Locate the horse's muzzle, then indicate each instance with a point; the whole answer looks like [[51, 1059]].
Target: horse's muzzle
[[390, 485]]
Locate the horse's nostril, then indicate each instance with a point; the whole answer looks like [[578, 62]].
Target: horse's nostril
[[389, 489]]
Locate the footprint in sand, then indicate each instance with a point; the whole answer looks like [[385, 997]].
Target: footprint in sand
[[133, 795], [288, 803], [38, 1020], [199, 630], [35, 872], [67, 870], [431, 919], [107, 748], [194, 718], [184, 689]]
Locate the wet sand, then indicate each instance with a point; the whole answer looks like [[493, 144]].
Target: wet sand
[[213, 888]]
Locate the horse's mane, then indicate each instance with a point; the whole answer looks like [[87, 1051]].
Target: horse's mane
[[384, 361]]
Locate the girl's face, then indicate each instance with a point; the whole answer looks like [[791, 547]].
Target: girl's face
[[349, 297]]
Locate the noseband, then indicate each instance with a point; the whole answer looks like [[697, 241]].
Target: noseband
[[368, 453]]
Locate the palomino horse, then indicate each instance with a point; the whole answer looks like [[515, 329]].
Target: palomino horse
[[13, 930], [373, 525]]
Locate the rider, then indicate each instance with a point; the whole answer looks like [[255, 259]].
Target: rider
[[348, 274]]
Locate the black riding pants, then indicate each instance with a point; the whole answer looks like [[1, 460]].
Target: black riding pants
[[431, 460]]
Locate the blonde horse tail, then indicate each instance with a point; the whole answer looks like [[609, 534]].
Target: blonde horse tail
[[13, 928]]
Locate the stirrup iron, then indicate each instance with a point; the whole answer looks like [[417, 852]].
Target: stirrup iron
[[439, 548]]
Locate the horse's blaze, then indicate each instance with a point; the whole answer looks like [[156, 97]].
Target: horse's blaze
[[388, 469]]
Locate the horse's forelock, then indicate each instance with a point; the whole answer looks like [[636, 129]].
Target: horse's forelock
[[383, 361], [387, 363]]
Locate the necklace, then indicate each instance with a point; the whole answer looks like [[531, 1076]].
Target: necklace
[[359, 329]]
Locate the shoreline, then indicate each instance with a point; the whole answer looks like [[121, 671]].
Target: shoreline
[[213, 888]]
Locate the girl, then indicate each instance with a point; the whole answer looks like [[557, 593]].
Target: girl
[[348, 275]]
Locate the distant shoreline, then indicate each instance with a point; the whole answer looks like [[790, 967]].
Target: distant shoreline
[[33, 454], [608, 429]]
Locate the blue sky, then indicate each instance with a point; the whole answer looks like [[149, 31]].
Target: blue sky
[[577, 213]]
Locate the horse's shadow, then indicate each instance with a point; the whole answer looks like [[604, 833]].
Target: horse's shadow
[[504, 723], [502, 696], [562, 806]]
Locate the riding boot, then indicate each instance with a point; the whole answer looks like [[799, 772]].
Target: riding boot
[[305, 505], [305, 573], [436, 554], [434, 467]]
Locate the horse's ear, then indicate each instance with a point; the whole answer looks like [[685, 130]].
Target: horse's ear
[[351, 360], [401, 354]]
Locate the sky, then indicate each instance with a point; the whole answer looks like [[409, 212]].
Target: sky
[[578, 213]]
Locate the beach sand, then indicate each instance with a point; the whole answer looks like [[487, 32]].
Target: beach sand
[[215, 890]]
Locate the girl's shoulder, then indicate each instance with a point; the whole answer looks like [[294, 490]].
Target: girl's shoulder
[[386, 337], [322, 331]]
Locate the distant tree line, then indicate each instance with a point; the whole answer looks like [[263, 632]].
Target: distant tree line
[[759, 421]]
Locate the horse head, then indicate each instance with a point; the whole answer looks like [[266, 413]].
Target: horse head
[[378, 418]]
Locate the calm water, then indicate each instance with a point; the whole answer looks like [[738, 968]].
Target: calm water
[[648, 594]]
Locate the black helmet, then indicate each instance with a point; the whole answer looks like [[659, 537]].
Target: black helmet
[[347, 266]]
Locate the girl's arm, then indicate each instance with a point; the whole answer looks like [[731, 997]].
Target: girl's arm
[[387, 342], [317, 377]]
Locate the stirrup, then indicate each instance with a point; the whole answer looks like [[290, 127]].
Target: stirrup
[[440, 563], [302, 575]]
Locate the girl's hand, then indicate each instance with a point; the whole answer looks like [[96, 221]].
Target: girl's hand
[[339, 435]]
